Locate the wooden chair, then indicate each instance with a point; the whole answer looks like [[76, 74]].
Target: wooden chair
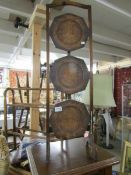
[[17, 171]]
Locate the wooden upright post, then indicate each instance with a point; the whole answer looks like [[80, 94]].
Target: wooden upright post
[[36, 23]]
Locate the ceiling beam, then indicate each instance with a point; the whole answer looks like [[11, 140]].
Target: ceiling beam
[[110, 50], [114, 8], [125, 5], [108, 36], [100, 52], [26, 33], [21, 43], [19, 7], [4, 48], [4, 59], [7, 27], [4, 54], [97, 56], [97, 47], [9, 40], [3, 63], [83, 54], [100, 34], [100, 48]]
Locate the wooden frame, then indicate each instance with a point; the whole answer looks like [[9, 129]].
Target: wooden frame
[[89, 53], [126, 158]]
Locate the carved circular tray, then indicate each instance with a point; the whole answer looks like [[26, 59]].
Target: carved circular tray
[[69, 74], [69, 32], [69, 119]]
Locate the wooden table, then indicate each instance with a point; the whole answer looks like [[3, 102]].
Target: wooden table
[[71, 158]]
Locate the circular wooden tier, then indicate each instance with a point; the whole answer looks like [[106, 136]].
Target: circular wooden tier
[[69, 32], [69, 74], [69, 119]]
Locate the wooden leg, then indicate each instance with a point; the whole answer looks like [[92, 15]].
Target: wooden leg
[[108, 171], [20, 119]]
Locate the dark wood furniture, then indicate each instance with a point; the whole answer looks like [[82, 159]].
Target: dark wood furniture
[[69, 158]]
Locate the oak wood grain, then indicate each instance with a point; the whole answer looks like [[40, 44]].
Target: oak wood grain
[[71, 157]]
